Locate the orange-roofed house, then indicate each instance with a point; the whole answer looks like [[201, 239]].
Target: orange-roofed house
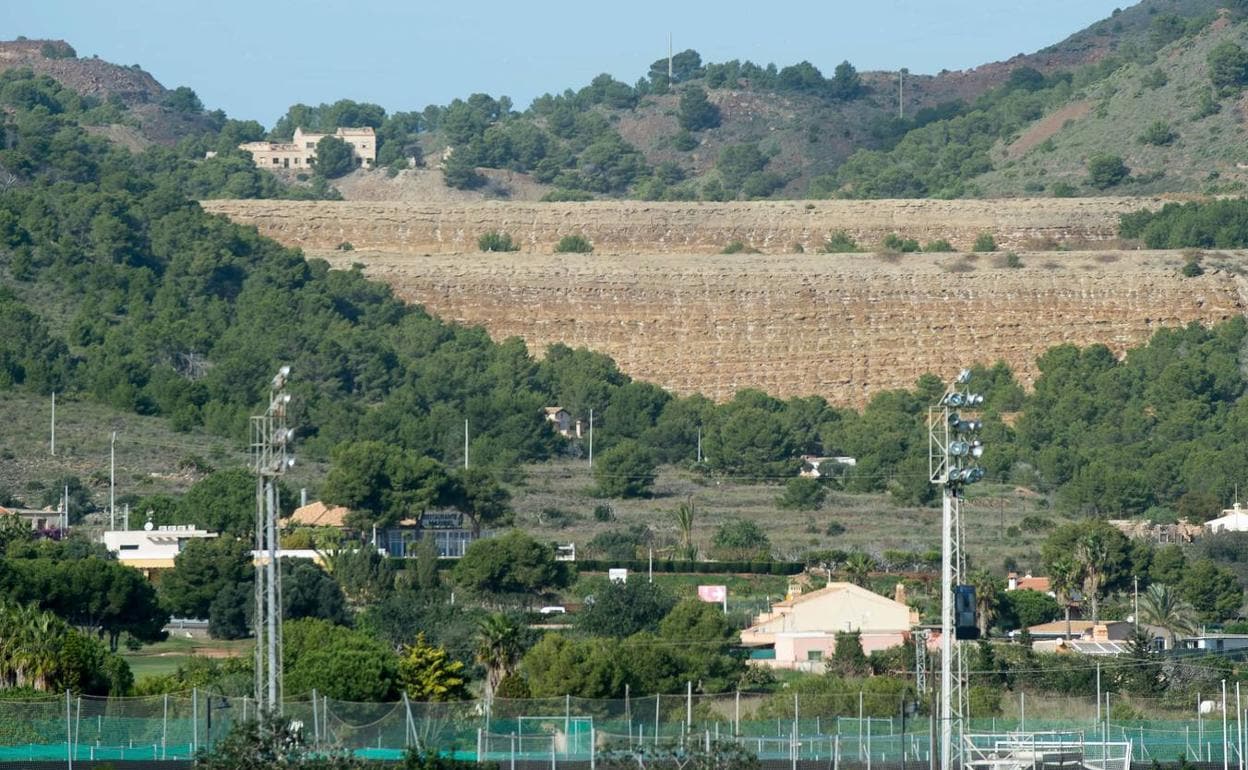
[[318, 514], [1015, 582], [800, 633]]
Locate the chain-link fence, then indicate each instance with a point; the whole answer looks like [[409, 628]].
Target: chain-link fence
[[836, 728]]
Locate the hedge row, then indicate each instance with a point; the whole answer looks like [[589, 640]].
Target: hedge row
[[699, 567], [669, 566]]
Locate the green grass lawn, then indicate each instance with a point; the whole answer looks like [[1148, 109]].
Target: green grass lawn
[[164, 657]]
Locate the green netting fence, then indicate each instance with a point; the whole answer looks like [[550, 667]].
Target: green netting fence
[[802, 726]]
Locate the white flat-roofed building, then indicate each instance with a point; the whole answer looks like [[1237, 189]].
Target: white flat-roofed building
[[151, 549]]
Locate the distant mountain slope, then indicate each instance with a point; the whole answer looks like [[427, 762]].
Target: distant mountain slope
[[780, 131], [93, 77], [1197, 139]]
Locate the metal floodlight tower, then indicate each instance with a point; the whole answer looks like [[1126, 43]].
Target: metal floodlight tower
[[954, 449], [270, 454]]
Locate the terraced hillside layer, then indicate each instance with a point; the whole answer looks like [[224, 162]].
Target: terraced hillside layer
[[840, 326], [634, 227]]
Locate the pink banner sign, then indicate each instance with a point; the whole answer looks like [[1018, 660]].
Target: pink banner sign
[[717, 594]]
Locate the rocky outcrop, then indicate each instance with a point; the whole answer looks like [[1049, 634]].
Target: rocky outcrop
[[636, 227]]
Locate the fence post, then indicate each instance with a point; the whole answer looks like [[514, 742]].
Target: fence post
[[567, 722], [688, 704], [736, 715], [69, 734], [78, 722], [1226, 759], [793, 744], [1239, 727], [657, 696], [513, 751], [868, 744], [593, 757], [407, 722], [836, 752], [316, 725], [480, 736], [195, 720], [796, 717], [860, 724], [164, 727]]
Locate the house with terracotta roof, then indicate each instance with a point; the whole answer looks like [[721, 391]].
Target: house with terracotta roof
[[1028, 583], [800, 633], [318, 514]]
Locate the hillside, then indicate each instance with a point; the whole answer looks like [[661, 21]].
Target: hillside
[[661, 301], [1199, 150], [148, 119], [777, 130]]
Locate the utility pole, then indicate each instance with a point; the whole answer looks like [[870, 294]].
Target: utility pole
[[953, 462], [53, 447], [591, 438], [699, 444], [901, 92], [1136, 601], [465, 445], [112, 481]]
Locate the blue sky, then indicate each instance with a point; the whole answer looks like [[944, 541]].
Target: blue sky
[[254, 59]]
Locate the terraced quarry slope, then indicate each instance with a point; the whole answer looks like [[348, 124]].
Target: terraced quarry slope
[[637, 227], [838, 325]]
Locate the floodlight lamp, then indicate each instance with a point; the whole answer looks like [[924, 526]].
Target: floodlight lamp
[[973, 475], [955, 399], [974, 399], [954, 419], [967, 426], [282, 435], [977, 449], [284, 371], [959, 448], [290, 461], [964, 376]]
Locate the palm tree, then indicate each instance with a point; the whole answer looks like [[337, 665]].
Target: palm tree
[[683, 516], [858, 567], [1064, 578], [1162, 606], [986, 590], [1092, 556], [498, 648]]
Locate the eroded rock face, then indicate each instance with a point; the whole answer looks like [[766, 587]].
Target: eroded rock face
[[635, 227], [657, 299]]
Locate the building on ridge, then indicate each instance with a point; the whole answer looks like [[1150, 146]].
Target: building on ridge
[[300, 151]]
